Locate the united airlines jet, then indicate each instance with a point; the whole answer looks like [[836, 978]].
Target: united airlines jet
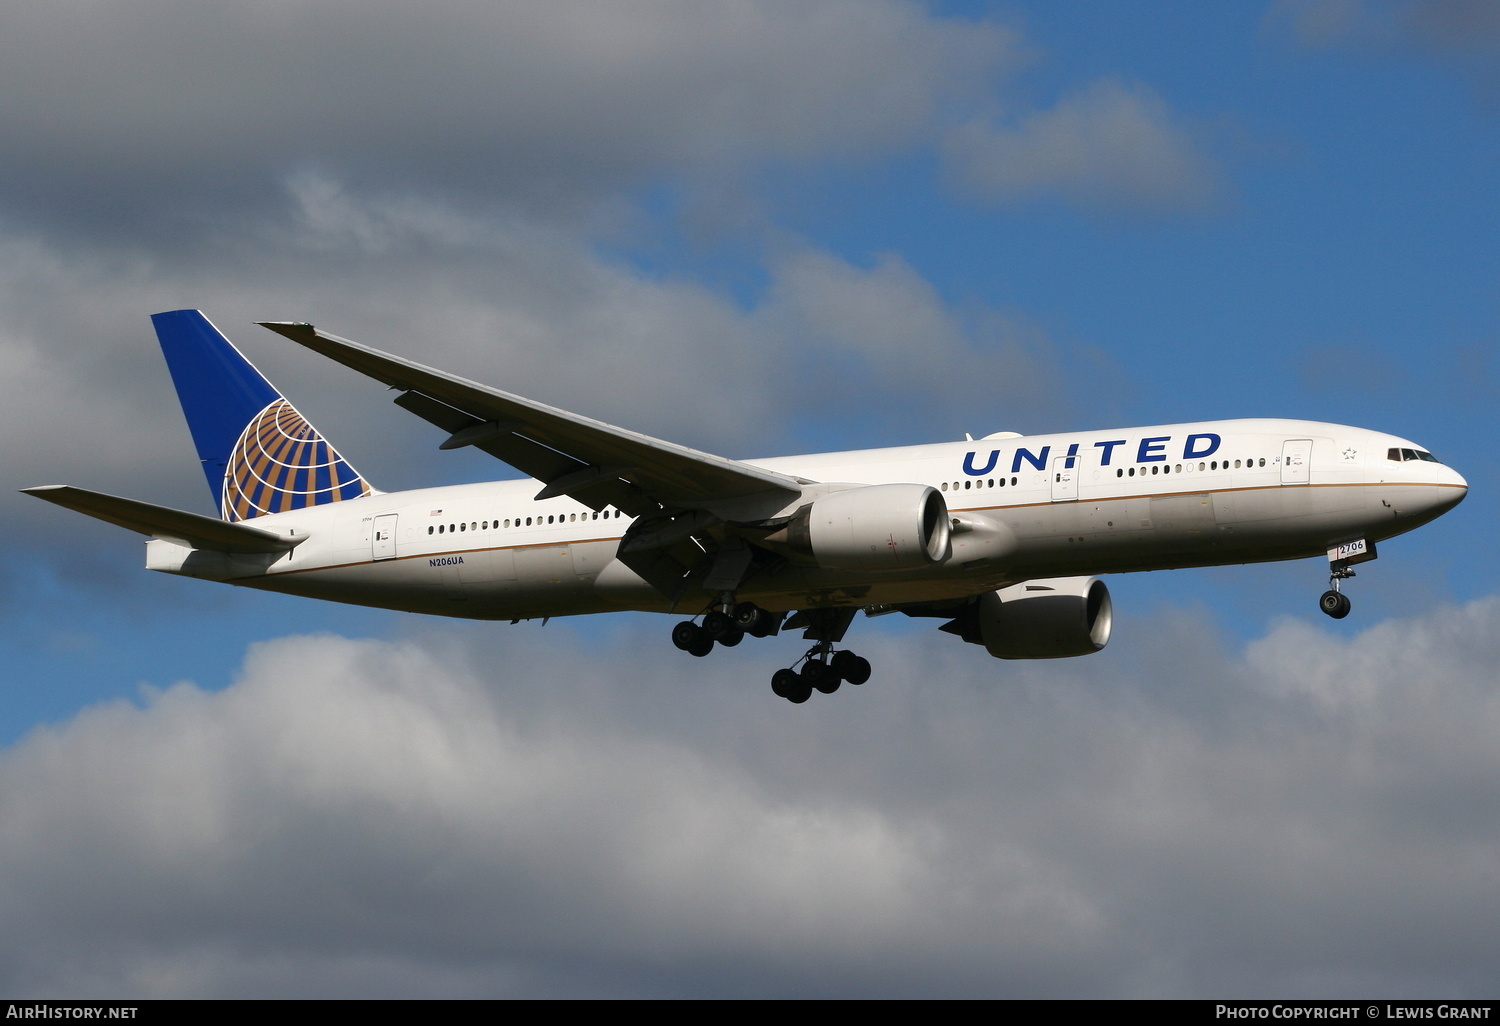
[[1000, 537]]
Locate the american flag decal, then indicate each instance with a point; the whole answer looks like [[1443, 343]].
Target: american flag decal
[[281, 462]]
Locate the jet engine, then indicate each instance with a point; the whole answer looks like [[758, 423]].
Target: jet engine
[[872, 527], [1045, 619]]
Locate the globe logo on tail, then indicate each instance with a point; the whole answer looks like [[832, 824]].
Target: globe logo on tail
[[281, 463]]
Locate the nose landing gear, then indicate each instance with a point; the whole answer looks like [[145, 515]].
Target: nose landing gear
[[1341, 560], [1334, 602]]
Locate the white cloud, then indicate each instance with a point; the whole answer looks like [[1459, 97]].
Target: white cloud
[[521, 813], [1111, 146]]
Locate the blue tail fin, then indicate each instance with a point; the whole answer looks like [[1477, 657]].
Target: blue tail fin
[[259, 453]]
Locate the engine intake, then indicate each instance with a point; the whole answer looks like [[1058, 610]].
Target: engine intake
[[872, 527], [1045, 619]]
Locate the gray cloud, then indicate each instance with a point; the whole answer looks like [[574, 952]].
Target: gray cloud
[[511, 300], [521, 813], [1111, 146], [1461, 32], [159, 109]]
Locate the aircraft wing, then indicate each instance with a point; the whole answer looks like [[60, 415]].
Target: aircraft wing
[[163, 522], [596, 463]]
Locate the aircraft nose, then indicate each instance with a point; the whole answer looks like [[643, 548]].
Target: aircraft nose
[[1453, 492], [1463, 486]]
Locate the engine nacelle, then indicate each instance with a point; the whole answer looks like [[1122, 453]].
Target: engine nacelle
[[873, 527], [1046, 619]]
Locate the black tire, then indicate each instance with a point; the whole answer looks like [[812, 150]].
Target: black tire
[[751, 619], [817, 675], [719, 625], [1334, 604], [733, 638], [785, 682], [799, 692], [852, 668], [702, 647], [686, 634]]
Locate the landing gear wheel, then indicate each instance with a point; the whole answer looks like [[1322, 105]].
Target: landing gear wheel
[[752, 619], [821, 676], [1335, 604], [687, 634], [855, 669], [702, 647], [788, 684], [785, 683], [733, 638], [718, 625]]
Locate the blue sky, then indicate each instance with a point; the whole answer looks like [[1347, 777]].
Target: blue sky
[[756, 228]]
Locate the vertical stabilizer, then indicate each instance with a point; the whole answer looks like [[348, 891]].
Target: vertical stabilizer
[[260, 455]]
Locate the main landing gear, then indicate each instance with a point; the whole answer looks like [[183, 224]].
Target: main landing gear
[[727, 629], [822, 669], [1334, 602], [821, 672]]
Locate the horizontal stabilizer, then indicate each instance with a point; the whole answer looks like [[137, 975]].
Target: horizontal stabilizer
[[161, 522]]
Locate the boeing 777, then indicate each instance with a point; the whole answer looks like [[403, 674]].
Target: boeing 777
[[1001, 537]]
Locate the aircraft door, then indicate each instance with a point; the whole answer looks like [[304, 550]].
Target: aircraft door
[[383, 537], [1296, 461], [1065, 474]]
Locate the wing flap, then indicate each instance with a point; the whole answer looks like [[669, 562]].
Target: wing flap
[[547, 443], [163, 522], [594, 486]]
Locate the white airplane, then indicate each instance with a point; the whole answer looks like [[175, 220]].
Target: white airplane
[[999, 536]]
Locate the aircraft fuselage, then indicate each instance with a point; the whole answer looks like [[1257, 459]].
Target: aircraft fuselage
[[1024, 507]]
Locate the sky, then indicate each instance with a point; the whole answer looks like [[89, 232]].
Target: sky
[[756, 228]]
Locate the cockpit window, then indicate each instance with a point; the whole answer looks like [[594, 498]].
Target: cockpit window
[[1401, 455]]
